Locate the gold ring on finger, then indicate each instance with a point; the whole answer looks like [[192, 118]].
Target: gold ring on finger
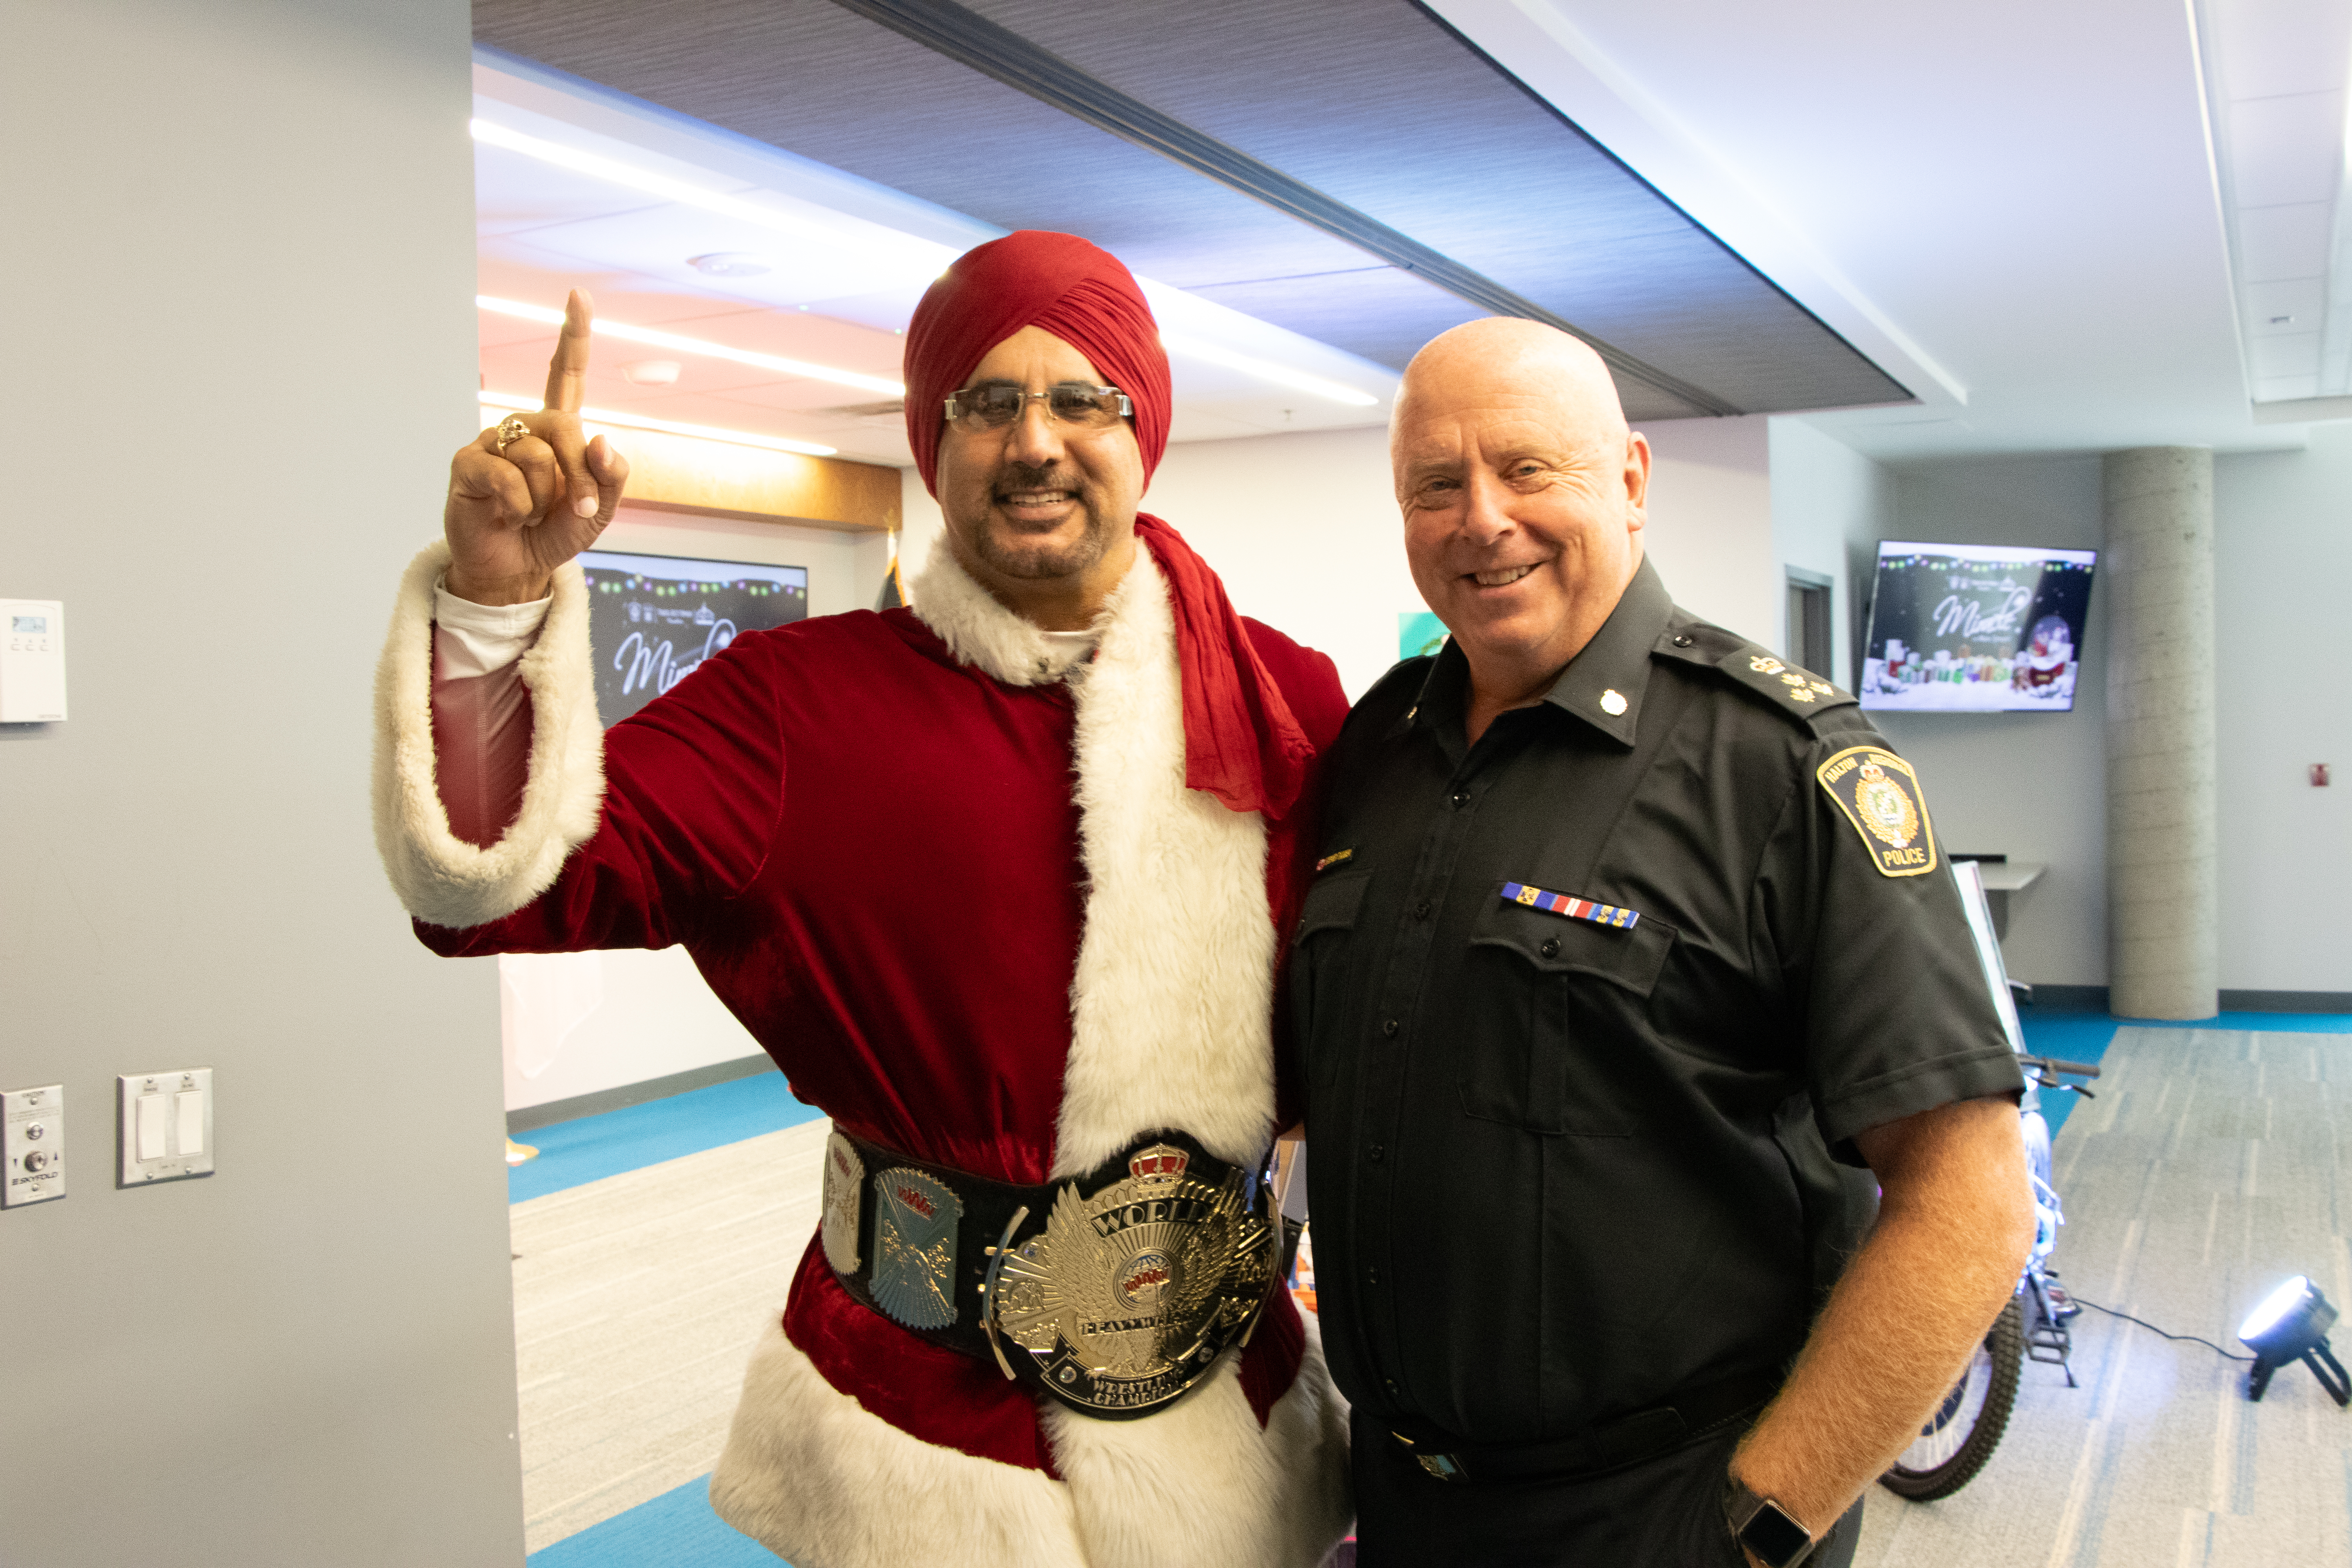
[[511, 429]]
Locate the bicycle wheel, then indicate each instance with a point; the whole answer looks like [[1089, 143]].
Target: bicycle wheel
[[1961, 1434]]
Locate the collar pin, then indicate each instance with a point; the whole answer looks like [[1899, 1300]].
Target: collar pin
[[1613, 702]]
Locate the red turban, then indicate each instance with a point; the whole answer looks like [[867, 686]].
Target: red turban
[[1076, 290], [1242, 743]]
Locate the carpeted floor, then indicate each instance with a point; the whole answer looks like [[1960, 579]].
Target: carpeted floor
[[2211, 1166], [637, 1298]]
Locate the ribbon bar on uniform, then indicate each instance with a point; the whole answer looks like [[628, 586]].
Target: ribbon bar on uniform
[[1574, 908]]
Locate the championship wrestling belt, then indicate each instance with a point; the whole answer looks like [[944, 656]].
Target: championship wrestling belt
[[1115, 1292]]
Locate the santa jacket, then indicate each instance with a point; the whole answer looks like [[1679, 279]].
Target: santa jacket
[[954, 883]]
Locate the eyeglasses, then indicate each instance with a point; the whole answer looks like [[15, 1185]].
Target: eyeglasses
[[994, 404]]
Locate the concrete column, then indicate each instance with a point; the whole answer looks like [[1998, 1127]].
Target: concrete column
[[2162, 953]]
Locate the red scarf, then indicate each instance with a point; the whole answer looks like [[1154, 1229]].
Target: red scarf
[[1242, 743]]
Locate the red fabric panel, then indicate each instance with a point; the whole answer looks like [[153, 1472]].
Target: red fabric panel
[[481, 743], [1270, 1361], [1242, 742], [1075, 289], [940, 1397]]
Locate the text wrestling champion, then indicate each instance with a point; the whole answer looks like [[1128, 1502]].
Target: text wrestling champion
[[996, 880]]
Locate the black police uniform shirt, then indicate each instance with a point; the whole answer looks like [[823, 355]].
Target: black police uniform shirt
[[1590, 1013]]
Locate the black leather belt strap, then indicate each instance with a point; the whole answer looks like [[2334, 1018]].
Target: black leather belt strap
[[1645, 1432], [988, 1208]]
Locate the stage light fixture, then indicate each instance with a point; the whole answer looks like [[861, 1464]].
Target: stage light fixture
[[2291, 1325]]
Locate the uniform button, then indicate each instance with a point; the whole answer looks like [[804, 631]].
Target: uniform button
[[1420, 910], [1389, 1026], [1460, 801], [1390, 1384], [1550, 948], [1379, 1150], [1684, 640], [1371, 1276]]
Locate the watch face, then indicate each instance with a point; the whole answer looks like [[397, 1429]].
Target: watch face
[[1774, 1536]]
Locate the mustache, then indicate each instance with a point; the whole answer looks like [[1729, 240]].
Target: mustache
[[1013, 475]]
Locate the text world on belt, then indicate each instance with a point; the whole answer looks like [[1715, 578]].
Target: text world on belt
[[1128, 1297]]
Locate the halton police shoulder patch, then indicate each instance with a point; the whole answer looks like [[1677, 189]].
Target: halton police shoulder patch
[[1880, 796]]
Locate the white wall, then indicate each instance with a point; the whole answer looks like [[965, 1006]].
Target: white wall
[[1830, 507], [649, 1014], [1304, 530], [2282, 532], [1710, 525], [239, 254]]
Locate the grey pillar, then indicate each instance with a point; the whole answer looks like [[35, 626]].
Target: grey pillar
[[2162, 950]]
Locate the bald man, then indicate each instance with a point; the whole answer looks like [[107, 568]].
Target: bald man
[[1630, 946]]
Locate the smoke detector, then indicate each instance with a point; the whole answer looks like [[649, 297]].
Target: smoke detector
[[730, 264], [652, 371]]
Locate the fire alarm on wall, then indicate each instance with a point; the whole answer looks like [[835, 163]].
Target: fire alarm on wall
[[32, 661], [2319, 776]]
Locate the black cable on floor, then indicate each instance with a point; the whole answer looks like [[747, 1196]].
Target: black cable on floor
[[2151, 1328]]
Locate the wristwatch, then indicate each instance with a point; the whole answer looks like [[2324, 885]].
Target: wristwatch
[[1765, 1527]]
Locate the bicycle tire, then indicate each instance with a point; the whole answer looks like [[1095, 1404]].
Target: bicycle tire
[[1997, 1362]]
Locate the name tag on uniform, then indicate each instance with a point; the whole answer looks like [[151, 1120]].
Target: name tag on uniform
[[1574, 908]]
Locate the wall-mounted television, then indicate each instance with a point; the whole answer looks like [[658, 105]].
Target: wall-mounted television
[[652, 618], [1976, 628]]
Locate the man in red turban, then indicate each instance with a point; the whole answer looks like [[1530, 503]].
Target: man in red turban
[[1041, 1324]]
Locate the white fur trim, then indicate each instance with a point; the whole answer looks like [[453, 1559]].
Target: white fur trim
[[820, 1480], [1171, 1003], [440, 878], [1200, 1482], [980, 631], [823, 1482]]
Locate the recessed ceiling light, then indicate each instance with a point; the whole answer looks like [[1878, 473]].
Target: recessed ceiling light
[[652, 371], [730, 264], [900, 250], [661, 340], [667, 427]]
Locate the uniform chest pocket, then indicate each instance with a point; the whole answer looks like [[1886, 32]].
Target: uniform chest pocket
[[1319, 961], [1553, 1034]]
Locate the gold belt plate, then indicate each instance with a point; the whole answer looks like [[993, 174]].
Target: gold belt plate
[[1127, 1297]]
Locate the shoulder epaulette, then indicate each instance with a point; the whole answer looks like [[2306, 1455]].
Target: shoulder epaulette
[[1795, 690]]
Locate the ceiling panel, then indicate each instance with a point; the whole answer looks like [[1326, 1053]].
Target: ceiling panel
[[1369, 101]]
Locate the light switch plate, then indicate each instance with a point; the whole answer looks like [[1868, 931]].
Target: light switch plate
[[33, 1144], [165, 1125]]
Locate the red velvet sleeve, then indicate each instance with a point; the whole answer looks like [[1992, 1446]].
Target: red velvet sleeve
[[694, 788], [1310, 684]]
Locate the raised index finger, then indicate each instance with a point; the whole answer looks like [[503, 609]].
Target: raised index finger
[[567, 372]]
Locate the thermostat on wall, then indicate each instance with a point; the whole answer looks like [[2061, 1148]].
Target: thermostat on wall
[[32, 661]]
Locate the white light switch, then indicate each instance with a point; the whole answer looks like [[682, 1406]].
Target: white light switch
[[32, 1145], [151, 1127], [167, 1125]]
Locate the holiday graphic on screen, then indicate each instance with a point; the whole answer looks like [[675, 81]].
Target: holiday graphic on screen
[[1976, 628], [653, 618]]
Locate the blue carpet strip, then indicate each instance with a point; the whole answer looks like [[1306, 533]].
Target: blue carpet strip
[[571, 1153], [676, 1529]]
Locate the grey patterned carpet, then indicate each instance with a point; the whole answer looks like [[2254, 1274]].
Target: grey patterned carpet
[[2211, 1166]]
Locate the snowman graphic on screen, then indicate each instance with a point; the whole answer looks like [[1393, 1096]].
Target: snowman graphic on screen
[[2046, 667]]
